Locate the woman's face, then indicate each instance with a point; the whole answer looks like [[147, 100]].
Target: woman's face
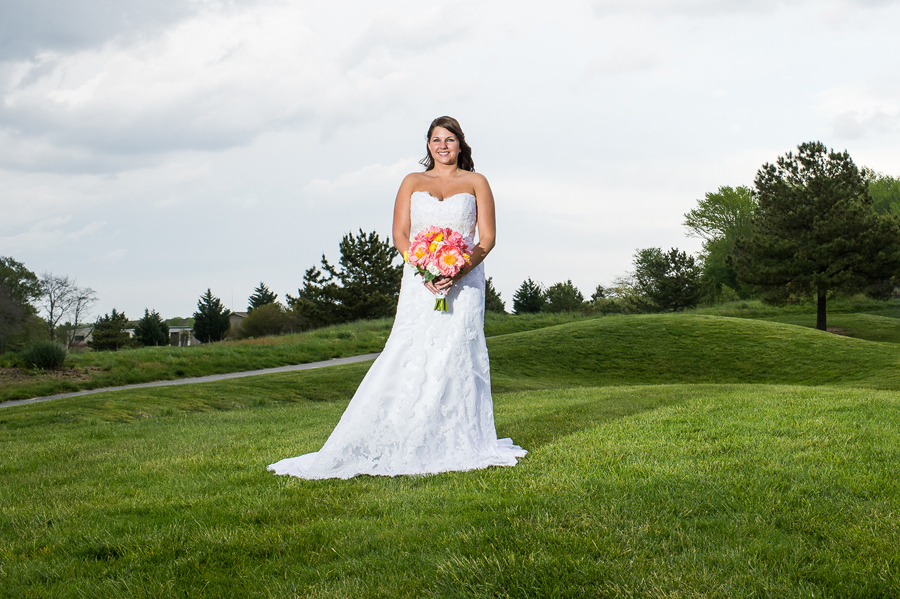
[[443, 146]]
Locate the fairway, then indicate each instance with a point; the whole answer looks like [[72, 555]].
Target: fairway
[[670, 456]]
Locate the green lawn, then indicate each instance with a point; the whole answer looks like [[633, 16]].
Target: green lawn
[[95, 370], [670, 456]]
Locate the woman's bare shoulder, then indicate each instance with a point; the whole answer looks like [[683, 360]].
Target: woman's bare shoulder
[[414, 178], [475, 178]]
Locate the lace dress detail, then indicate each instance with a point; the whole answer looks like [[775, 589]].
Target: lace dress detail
[[425, 405]]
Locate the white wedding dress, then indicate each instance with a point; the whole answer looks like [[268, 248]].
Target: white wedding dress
[[425, 405]]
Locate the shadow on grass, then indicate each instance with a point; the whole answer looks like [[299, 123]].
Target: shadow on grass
[[542, 417]]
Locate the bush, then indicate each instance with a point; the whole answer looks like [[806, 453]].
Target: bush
[[11, 359], [45, 355], [265, 320]]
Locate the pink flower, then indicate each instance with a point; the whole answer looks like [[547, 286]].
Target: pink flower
[[418, 253], [450, 260], [456, 240]]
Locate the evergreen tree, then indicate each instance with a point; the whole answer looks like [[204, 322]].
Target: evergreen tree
[[816, 231], [492, 300], [529, 298], [364, 285], [563, 297], [261, 297], [109, 332], [211, 320], [670, 281], [151, 329]]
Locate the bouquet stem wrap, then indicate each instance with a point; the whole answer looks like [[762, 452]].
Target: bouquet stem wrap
[[440, 303]]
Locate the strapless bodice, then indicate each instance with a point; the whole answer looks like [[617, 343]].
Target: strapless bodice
[[458, 212]]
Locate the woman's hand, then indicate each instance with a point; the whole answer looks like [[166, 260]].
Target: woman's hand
[[440, 285]]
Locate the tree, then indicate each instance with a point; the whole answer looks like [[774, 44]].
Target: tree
[[83, 299], [492, 300], [599, 293], [109, 332], [268, 319], [670, 281], [61, 296], [261, 297], [720, 219], [365, 285], [815, 230], [563, 297], [211, 320], [884, 191], [19, 288], [529, 298], [151, 329]]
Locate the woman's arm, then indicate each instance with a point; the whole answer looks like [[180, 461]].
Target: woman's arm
[[400, 230], [487, 225], [487, 222]]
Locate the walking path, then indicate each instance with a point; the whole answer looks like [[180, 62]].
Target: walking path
[[199, 379]]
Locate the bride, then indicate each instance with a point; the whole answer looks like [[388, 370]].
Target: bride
[[425, 405]]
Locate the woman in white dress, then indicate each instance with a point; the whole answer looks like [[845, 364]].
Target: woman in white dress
[[425, 405]]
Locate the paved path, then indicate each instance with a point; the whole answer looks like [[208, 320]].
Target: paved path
[[199, 379]]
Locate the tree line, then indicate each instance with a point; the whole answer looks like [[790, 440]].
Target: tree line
[[813, 225]]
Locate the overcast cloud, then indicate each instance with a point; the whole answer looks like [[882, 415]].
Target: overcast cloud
[[154, 149]]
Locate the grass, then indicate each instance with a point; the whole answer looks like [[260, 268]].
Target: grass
[[94, 370], [670, 456]]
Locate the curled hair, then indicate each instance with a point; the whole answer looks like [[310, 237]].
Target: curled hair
[[464, 160]]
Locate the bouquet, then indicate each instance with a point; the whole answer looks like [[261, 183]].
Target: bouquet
[[437, 252]]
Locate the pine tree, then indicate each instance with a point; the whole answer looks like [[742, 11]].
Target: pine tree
[[815, 230], [109, 332], [492, 300], [670, 281], [564, 297], [211, 320], [529, 298], [364, 285], [151, 329], [261, 297]]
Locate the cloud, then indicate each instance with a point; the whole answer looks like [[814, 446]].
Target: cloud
[[623, 60], [50, 233], [694, 8], [350, 185], [715, 8], [214, 80], [28, 27], [858, 110], [856, 125]]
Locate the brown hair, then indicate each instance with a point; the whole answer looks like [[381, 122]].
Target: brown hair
[[464, 160]]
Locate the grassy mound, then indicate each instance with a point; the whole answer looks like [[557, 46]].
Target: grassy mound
[[687, 348]]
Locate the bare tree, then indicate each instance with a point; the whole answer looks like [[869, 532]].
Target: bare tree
[[84, 298], [61, 296]]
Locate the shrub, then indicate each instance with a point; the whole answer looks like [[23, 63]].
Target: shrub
[[265, 320], [11, 359], [45, 355]]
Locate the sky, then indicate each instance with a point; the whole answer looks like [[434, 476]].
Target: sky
[[152, 149]]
